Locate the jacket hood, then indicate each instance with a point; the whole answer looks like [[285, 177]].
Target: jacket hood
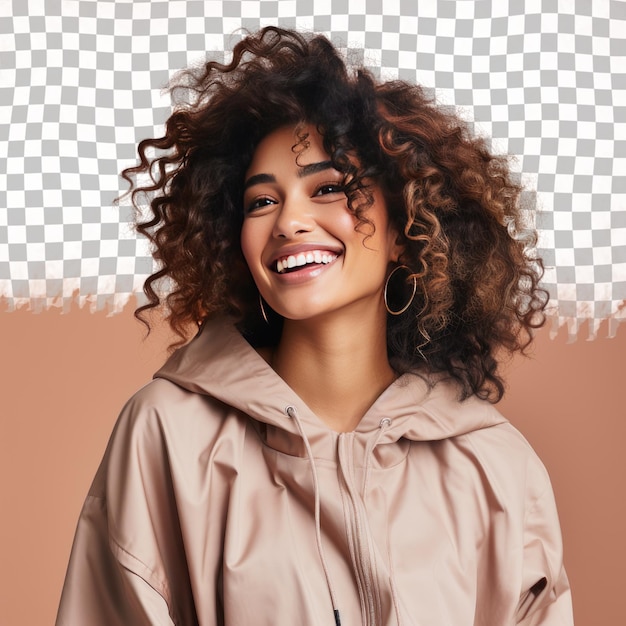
[[220, 363]]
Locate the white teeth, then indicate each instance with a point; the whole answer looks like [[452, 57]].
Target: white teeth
[[304, 258]]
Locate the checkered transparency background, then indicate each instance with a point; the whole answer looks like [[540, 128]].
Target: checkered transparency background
[[81, 83]]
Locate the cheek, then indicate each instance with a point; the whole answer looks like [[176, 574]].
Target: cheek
[[345, 223], [250, 244], [340, 224], [249, 249]]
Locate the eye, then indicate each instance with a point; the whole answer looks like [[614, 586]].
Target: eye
[[259, 203], [328, 188]]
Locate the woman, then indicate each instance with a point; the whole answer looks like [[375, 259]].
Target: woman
[[326, 449]]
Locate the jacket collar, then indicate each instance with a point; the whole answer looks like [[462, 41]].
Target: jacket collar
[[220, 363]]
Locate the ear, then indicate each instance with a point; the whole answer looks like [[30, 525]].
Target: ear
[[397, 247]]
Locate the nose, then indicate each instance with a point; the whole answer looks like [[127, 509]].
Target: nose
[[294, 218]]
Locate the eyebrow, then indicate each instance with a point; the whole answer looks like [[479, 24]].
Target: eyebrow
[[258, 179], [314, 168], [303, 170]]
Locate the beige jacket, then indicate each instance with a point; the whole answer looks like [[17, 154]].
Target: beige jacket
[[222, 499]]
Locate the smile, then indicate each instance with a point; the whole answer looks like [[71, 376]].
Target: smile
[[295, 261]]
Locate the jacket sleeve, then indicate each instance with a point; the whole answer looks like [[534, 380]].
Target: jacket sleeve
[[98, 589], [545, 598], [127, 564]]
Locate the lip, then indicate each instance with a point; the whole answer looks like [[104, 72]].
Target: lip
[[306, 272], [294, 250], [303, 275]]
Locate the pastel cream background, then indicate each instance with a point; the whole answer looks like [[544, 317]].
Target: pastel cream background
[[64, 379]]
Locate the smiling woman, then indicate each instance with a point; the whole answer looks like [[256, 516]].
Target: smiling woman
[[356, 262], [301, 213], [320, 273]]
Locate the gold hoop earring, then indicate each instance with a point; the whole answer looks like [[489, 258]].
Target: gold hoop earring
[[263, 313], [408, 304]]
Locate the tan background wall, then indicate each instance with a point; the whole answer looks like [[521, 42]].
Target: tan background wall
[[63, 379]]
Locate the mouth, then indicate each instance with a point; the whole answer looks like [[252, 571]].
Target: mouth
[[295, 262]]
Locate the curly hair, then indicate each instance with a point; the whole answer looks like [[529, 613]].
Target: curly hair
[[455, 205]]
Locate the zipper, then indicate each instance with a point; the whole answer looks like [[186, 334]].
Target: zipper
[[359, 537]]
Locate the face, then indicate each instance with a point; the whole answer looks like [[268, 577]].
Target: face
[[299, 238]]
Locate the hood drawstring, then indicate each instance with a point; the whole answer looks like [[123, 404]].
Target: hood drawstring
[[384, 424], [293, 414]]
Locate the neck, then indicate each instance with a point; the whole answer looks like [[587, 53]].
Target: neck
[[338, 367]]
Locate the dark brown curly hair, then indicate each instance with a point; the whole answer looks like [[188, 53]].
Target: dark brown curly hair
[[455, 204]]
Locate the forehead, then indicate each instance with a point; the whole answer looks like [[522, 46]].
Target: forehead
[[289, 146]]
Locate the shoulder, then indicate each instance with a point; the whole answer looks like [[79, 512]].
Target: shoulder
[[164, 406], [150, 414], [157, 397], [510, 462], [164, 428]]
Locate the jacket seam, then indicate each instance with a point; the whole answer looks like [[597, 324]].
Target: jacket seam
[[144, 572]]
